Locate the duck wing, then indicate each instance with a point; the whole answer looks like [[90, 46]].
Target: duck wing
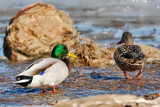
[[38, 66], [129, 55], [133, 52], [55, 74], [139, 52]]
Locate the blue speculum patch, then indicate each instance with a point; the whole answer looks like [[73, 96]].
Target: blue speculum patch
[[41, 73]]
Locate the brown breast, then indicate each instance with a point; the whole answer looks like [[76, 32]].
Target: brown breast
[[67, 62]]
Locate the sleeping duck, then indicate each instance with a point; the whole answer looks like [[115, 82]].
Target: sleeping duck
[[129, 57], [47, 72]]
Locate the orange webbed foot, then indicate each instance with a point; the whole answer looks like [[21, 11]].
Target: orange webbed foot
[[54, 90], [139, 74], [43, 90]]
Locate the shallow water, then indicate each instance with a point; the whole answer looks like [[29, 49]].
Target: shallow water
[[106, 81], [104, 23]]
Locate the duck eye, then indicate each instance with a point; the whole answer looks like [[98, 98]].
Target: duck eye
[[65, 48]]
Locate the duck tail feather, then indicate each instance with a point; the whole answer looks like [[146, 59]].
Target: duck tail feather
[[24, 80]]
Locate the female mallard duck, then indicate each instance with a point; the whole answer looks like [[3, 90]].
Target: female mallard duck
[[129, 57], [47, 72]]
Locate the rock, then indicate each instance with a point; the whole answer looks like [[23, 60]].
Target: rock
[[110, 100], [150, 51], [101, 62], [34, 30], [153, 61]]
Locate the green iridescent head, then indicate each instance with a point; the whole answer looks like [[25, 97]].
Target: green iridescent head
[[60, 50]]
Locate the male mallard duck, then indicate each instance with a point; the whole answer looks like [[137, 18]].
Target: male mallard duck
[[47, 72], [129, 57]]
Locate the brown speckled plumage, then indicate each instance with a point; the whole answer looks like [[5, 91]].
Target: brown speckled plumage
[[129, 57], [129, 64]]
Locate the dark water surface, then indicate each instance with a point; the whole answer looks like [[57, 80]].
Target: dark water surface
[[104, 21]]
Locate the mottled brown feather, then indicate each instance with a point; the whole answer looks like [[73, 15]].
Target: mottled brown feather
[[137, 58]]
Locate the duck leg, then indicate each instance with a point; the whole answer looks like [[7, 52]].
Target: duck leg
[[43, 90], [139, 74], [54, 89], [125, 74]]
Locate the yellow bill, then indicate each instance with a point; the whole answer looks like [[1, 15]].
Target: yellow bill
[[72, 55]]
